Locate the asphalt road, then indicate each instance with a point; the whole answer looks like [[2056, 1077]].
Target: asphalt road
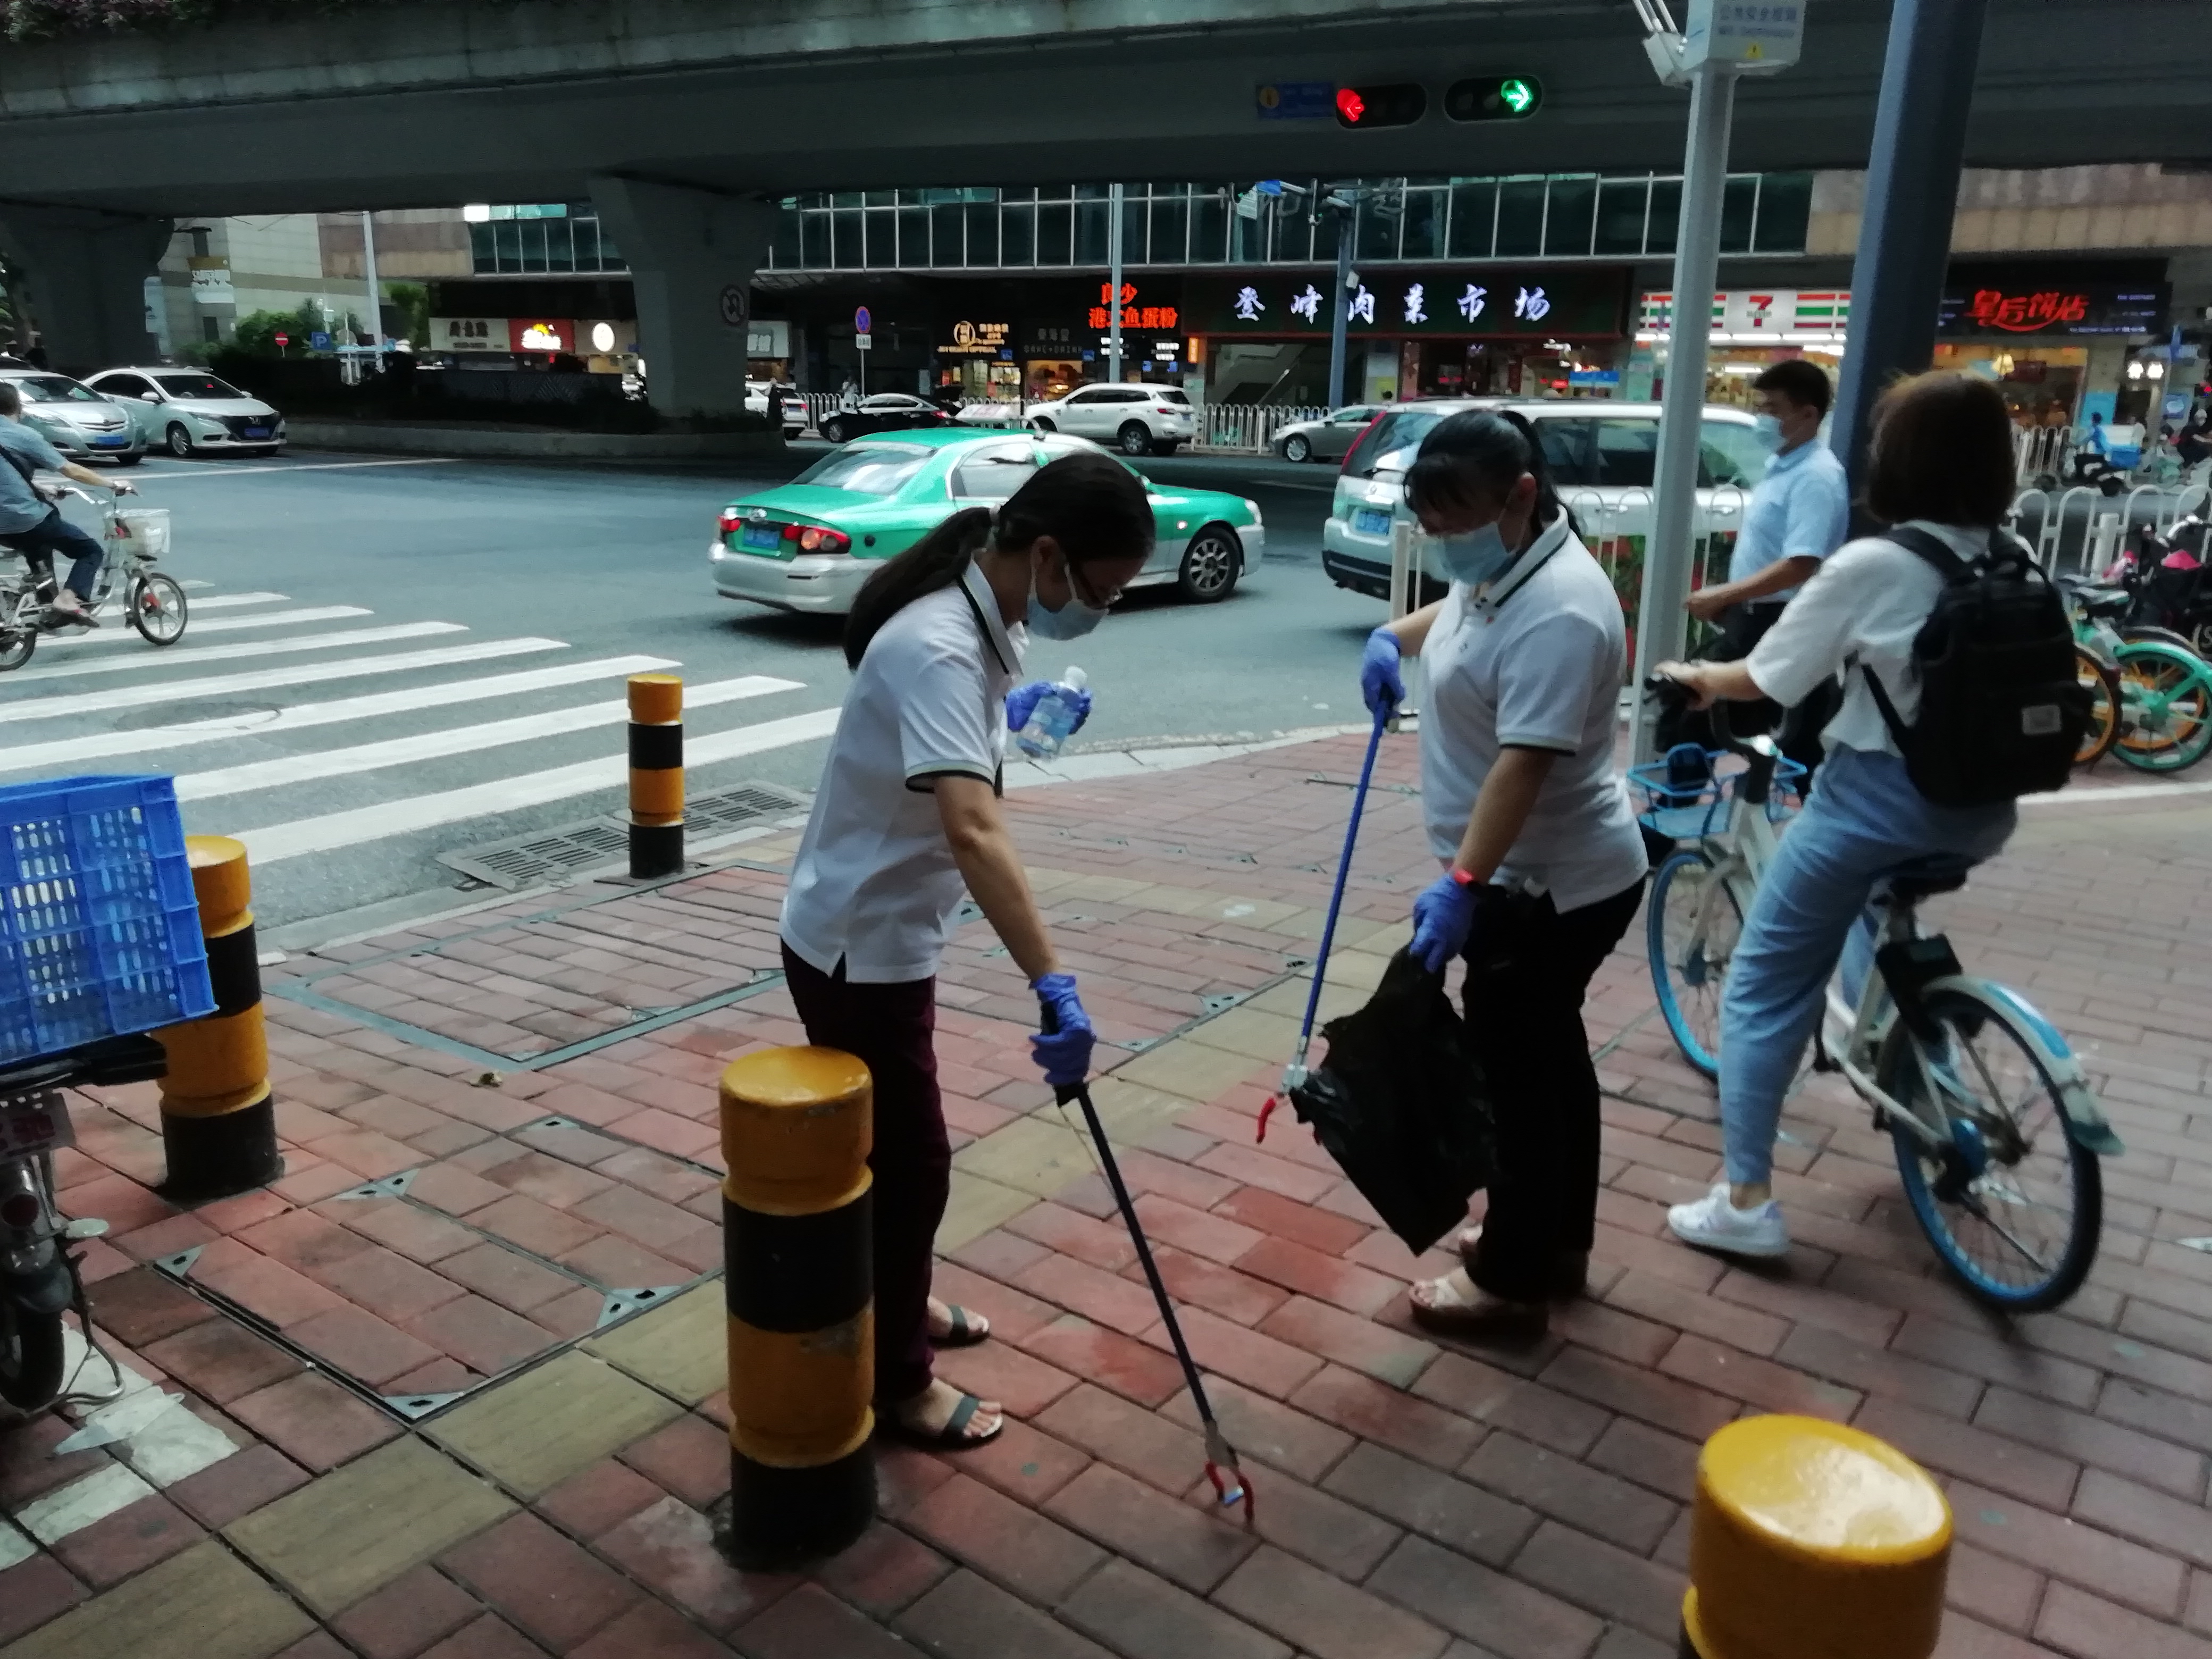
[[369, 754]]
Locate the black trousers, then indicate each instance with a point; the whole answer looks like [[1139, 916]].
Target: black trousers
[[1529, 967], [1742, 626]]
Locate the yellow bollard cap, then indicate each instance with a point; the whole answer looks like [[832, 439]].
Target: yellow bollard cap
[[1812, 1540], [656, 699], [220, 881], [796, 1128]]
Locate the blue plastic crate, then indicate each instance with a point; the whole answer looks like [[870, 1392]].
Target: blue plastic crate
[[99, 934], [1691, 814]]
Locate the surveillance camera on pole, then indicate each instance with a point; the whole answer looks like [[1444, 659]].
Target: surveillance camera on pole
[[1723, 39]]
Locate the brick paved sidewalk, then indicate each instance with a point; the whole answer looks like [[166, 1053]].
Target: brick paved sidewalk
[[454, 1385]]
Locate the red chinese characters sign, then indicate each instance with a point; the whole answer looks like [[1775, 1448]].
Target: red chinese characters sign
[[2026, 313], [1133, 316]]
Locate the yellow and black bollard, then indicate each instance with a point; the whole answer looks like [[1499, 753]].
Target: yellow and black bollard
[[218, 1117], [798, 1280], [1812, 1540], [656, 776]]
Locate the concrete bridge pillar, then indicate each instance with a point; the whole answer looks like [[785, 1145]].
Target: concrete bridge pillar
[[691, 255], [87, 272]]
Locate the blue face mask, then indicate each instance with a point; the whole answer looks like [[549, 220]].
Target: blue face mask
[[1478, 556], [1768, 428], [1071, 622]]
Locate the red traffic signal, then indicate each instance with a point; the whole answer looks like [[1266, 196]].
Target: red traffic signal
[[1394, 106]]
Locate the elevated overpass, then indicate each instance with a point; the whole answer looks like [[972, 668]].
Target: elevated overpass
[[680, 116]]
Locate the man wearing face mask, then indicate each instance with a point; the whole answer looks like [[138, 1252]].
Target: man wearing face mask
[[906, 819], [1799, 513]]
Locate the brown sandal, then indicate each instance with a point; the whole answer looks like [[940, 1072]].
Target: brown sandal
[[1459, 1317]]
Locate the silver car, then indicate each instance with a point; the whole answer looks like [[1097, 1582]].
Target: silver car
[[188, 411], [75, 419], [1327, 438]]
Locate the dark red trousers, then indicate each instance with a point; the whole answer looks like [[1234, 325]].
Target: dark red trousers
[[891, 1029]]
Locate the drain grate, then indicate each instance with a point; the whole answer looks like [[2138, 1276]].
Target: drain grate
[[522, 860]]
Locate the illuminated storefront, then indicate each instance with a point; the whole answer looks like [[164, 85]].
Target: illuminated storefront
[[1751, 329], [2033, 331]]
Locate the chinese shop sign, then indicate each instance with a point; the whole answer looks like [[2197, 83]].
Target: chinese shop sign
[[1398, 302]]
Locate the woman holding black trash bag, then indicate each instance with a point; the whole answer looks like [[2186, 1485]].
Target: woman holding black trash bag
[[1544, 865], [907, 816]]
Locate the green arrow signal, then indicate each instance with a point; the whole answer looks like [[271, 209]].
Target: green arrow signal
[[1517, 95]]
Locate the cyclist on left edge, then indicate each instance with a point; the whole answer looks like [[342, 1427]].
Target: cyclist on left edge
[[32, 525]]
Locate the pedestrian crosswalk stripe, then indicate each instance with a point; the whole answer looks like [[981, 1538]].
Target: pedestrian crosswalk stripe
[[457, 740], [99, 745], [262, 679], [118, 629], [350, 829], [232, 601], [188, 656]]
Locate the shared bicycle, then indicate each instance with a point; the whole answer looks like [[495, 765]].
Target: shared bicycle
[[1996, 1131], [136, 539]]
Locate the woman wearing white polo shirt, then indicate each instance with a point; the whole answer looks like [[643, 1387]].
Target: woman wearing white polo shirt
[[906, 817], [1544, 863]]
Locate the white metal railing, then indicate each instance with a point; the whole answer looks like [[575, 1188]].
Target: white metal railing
[[2038, 450], [1249, 427], [2081, 529]]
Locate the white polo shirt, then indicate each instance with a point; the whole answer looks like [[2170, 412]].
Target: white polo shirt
[[1535, 661], [874, 882]]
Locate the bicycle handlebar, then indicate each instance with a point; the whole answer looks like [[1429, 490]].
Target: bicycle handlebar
[[1759, 750], [111, 1060]]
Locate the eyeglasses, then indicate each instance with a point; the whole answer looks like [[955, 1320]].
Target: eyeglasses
[[1076, 586]]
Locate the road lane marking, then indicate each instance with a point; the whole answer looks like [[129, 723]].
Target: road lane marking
[[192, 656], [458, 740], [210, 470], [73, 752], [119, 630], [333, 830], [262, 679]]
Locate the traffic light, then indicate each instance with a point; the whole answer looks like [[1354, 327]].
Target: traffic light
[[1397, 106], [1494, 98]]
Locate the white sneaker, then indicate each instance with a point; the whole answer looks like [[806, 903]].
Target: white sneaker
[[1714, 1224]]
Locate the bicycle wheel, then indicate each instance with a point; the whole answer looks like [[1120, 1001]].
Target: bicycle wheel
[[157, 609], [1691, 925], [2166, 696], [2103, 686], [31, 1355], [2013, 1206], [19, 638]]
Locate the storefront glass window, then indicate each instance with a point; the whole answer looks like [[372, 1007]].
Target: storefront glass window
[[1620, 204], [1474, 217], [1377, 235], [847, 241], [881, 228], [879, 198], [814, 240], [914, 236], [1295, 235], [785, 249], [1520, 218], [560, 246], [845, 198], [1171, 229], [1018, 234], [1209, 226], [1091, 247], [944, 238], [982, 234], [1423, 237], [1666, 215], [1133, 228], [1738, 208], [1785, 211], [1054, 219], [1567, 217]]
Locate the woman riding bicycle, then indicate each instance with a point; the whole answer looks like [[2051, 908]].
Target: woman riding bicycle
[[1544, 864], [32, 525], [1940, 460]]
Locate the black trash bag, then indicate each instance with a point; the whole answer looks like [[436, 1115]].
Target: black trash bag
[[1399, 1104]]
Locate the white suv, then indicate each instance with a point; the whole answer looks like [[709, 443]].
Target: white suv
[[1603, 455], [1133, 417]]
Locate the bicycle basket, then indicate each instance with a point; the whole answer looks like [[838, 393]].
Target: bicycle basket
[[1683, 811], [100, 932], [142, 531]]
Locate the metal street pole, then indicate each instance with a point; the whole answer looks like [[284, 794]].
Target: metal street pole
[[1661, 628], [1912, 194], [1114, 305], [375, 296], [1341, 316]]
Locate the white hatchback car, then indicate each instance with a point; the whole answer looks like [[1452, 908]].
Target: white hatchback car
[[1135, 418], [186, 410]]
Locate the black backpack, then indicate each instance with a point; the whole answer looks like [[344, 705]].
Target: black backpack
[[2001, 711]]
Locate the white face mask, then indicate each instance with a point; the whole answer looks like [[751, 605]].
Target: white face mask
[[1769, 428], [1071, 622], [1478, 556]]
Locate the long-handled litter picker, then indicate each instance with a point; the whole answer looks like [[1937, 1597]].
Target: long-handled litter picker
[[1294, 1075], [1221, 1466]]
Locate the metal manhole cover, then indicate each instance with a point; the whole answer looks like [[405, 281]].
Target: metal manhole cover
[[522, 860], [728, 808]]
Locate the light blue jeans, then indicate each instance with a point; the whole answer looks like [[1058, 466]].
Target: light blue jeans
[[1863, 821]]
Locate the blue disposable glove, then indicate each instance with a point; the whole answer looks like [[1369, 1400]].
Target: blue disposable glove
[[1443, 915], [1022, 701], [1378, 673], [1063, 1048]]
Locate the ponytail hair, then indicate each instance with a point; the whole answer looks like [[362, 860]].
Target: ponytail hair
[[1092, 506], [1473, 458]]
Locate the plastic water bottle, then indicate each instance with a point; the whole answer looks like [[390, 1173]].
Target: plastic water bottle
[[1053, 718]]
